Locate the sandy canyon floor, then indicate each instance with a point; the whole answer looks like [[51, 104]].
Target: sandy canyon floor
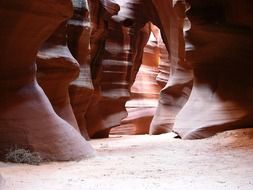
[[223, 162]]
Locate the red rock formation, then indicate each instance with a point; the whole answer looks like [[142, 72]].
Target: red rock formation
[[122, 39], [81, 89], [111, 86], [56, 69], [164, 67], [164, 62], [27, 119], [135, 14], [111, 63], [145, 90], [221, 98], [216, 73], [170, 18]]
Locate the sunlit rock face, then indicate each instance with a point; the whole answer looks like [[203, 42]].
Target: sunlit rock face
[[113, 51], [164, 62], [80, 90], [170, 17], [27, 119], [217, 89], [111, 62], [173, 23], [145, 90], [113, 27], [221, 98]]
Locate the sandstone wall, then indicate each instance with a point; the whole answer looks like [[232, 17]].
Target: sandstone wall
[[27, 119]]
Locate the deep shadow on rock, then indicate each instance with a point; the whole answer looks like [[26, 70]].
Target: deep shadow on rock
[[221, 98]]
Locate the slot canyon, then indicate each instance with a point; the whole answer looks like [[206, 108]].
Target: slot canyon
[[126, 94]]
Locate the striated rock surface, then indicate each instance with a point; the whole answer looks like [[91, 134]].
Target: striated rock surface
[[56, 69], [221, 98], [81, 89], [172, 21], [27, 119], [164, 62], [118, 38], [145, 90], [169, 16], [111, 69]]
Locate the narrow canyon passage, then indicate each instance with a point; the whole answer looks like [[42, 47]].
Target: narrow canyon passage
[[126, 94], [223, 162]]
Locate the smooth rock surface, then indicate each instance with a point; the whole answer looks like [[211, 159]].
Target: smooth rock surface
[[56, 68], [27, 119], [222, 93], [173, 23], [80, 90]]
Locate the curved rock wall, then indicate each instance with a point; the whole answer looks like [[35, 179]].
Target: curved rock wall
[[134, 14], [145, 89], [171, 18], [221, 98], [80, 90], [110, 64], [27, 119], [56, 68], [86, 70], [117, 47]]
